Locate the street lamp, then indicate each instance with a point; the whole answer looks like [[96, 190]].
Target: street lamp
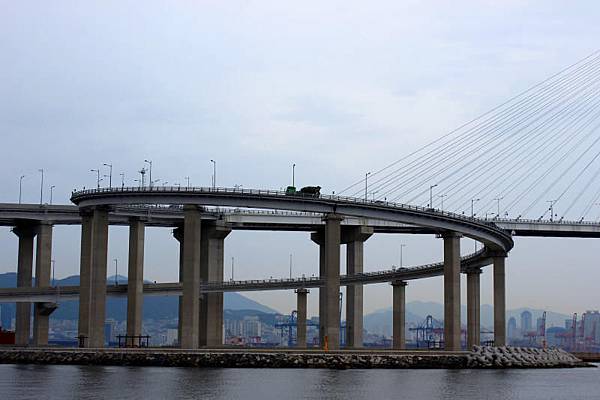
[[401, 247], [187, 178], [41, 186], [122, 179], [473, 201], [214, 177], [109, 174], [366, 185], [150, 163], [431, 195], [498, 203], [552, 202], [97, 171], [53, 269], [441, 196], [116, 272], [51, 192], [20, 187], [294, 175]]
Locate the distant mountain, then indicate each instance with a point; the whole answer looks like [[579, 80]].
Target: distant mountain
[[155, 307]]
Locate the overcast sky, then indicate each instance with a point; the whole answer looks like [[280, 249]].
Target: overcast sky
[[338, 88]]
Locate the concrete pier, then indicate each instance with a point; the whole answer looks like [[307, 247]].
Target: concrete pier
[[318, 238], [43, 271], [212, 250], [178, 235], [85, 276], [98, 274], [135, 278], [451, 291], [473, 308], [499, 301], [26, 233], [355, 238], [332, 241], [301, 318], [399, 315], [190, 303]]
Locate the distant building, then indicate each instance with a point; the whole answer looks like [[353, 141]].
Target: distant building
[[590, 327], [512, 328], [539, 326], [526, 320], [252, 326]]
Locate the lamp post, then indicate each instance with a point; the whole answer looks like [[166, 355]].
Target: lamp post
[[401, 247], [498, 204], [51, 193], [122, 179], [97, 171], [41, 186], [431, 195], [366, 185], [294, 175], [116, 272], [214, 177], [109, 174], [20, 187], [53, 269], [441, 196], [473, 201], [187, 179], [150, 170], [552, 202]]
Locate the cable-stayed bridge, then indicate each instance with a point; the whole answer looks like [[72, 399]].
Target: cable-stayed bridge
[[529, 167]]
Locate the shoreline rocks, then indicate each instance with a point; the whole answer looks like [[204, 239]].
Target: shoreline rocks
[[480, 357]]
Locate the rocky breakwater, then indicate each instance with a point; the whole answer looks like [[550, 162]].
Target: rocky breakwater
[[521, 357], [480, 357]]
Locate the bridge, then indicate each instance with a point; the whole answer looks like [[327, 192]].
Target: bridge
[[528, 167]]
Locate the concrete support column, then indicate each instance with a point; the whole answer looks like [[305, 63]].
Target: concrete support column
[[499, 301], [301, 318], [399, 316], [135, 278], [354, 238], [85, 277], [451, 291], [212, 251], [190, 303], [43, 271], [178, 235], [332, 241], [317, 237], [98, 277], [473, 308], [24, 277]]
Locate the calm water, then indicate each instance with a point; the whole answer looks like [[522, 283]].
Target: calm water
[[78, 382]]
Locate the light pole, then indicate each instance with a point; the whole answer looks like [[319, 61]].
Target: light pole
[[441, 196], [373, 194], [53, 269], [150, 171], [187, 178], [366, 185], [214, 177], [473, 201], [97, 171], [401, 247], [41, 186], [431, 195], [109, 174], [20, 187], [552, 202], [116, 272], [294, 175], [51, 193], [498, 204], [122, 179]]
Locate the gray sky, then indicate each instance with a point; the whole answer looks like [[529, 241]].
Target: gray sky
[[337, 88]]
